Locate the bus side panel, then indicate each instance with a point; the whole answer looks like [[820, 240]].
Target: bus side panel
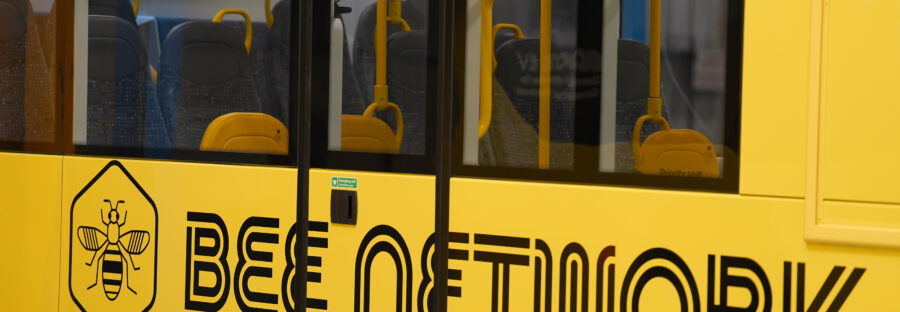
[[29, 201], [519, 245], [184, 236], [358, 264]]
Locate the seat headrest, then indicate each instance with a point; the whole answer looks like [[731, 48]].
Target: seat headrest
[[518, 71], [633, 77], [13, 19], [115, 48], [407, 55], [205, 52], [281, 25], [118, 8]]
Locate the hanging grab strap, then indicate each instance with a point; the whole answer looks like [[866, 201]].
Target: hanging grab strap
[[248, 41]]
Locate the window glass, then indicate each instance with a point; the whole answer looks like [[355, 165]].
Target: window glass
[[561, 86], [378, 77], [29, 86], [184, 79]]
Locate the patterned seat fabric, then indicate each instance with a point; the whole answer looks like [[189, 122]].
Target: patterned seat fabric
[[514, 124], [14, 19], [275, 62], [407, 78], [632, 90], [117, 83], [204, 73], [414, 12]]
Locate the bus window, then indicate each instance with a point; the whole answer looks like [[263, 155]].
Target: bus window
[[168, 79], [378, 77], [557, 89], [29, 88]]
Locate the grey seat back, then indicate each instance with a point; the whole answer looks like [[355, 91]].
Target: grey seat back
[[119, 8], [204, 73], [117, 83], [14, 16]]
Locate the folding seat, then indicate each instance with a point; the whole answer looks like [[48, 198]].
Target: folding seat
[[122, 110], [204, 73], [14, 19], [632, 90]]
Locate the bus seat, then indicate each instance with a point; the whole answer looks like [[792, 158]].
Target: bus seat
[[147, 26], [407, 54], [517, 75], [276, 60], [14, 18], [117, 83], [364, 42], [118, 8], [367, 135], [246, 133], [632, 90], [204, 73]]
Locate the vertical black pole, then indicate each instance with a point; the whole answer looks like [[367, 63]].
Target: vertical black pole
[[441, 20], [301, 45]]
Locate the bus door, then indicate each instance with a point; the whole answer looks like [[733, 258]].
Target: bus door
[[32, 34], [372, 180], [181, 193]]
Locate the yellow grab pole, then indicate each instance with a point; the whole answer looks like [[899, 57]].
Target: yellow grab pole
[[381, 90], [487, 67], [654, 102], [544, 95]]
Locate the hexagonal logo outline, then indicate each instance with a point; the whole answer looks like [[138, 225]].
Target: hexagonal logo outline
[[116, 163]]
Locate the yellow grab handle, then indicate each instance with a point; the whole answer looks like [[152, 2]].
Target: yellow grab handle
[[636, 136], [249, 40], [269, 17], [137, 6], [394, 15], [517, 33], [398, 114], [486, 70], [544, 95]]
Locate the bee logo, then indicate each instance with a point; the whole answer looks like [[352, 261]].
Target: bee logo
[[113, 235], [114, 249]]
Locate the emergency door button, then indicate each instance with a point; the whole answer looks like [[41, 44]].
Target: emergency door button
[[343, 207]]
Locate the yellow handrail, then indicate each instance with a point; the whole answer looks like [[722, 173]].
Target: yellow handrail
[[269, 17], [544, 95], [487, 72], [380, 99], [248, 41], [517, 33], [137, 5], [654, 101]]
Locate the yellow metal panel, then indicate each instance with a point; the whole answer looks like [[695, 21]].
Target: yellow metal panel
[[775, 93], [502, 227], [397, 212], [220, 228], [859, 104], [29, 225]]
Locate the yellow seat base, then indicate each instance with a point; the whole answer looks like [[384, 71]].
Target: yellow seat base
[[678, 152]]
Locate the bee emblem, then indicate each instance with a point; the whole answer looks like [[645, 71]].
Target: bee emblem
[[112, 249]]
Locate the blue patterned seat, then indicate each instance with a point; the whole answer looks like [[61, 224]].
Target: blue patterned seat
[[204, 73]]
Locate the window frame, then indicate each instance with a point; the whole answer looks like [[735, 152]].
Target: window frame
[[323, 158], [586, 155], [178, 155]]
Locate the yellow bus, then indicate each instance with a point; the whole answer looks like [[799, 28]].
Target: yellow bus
[[460, 155]]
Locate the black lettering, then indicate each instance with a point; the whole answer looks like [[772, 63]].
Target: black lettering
[[727, 280], [368, 249], [246, 254], [201, 258]]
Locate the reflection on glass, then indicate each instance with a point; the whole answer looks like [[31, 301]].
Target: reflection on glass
[[209, 76], [378, 77], [652, 68], [28, 84]]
